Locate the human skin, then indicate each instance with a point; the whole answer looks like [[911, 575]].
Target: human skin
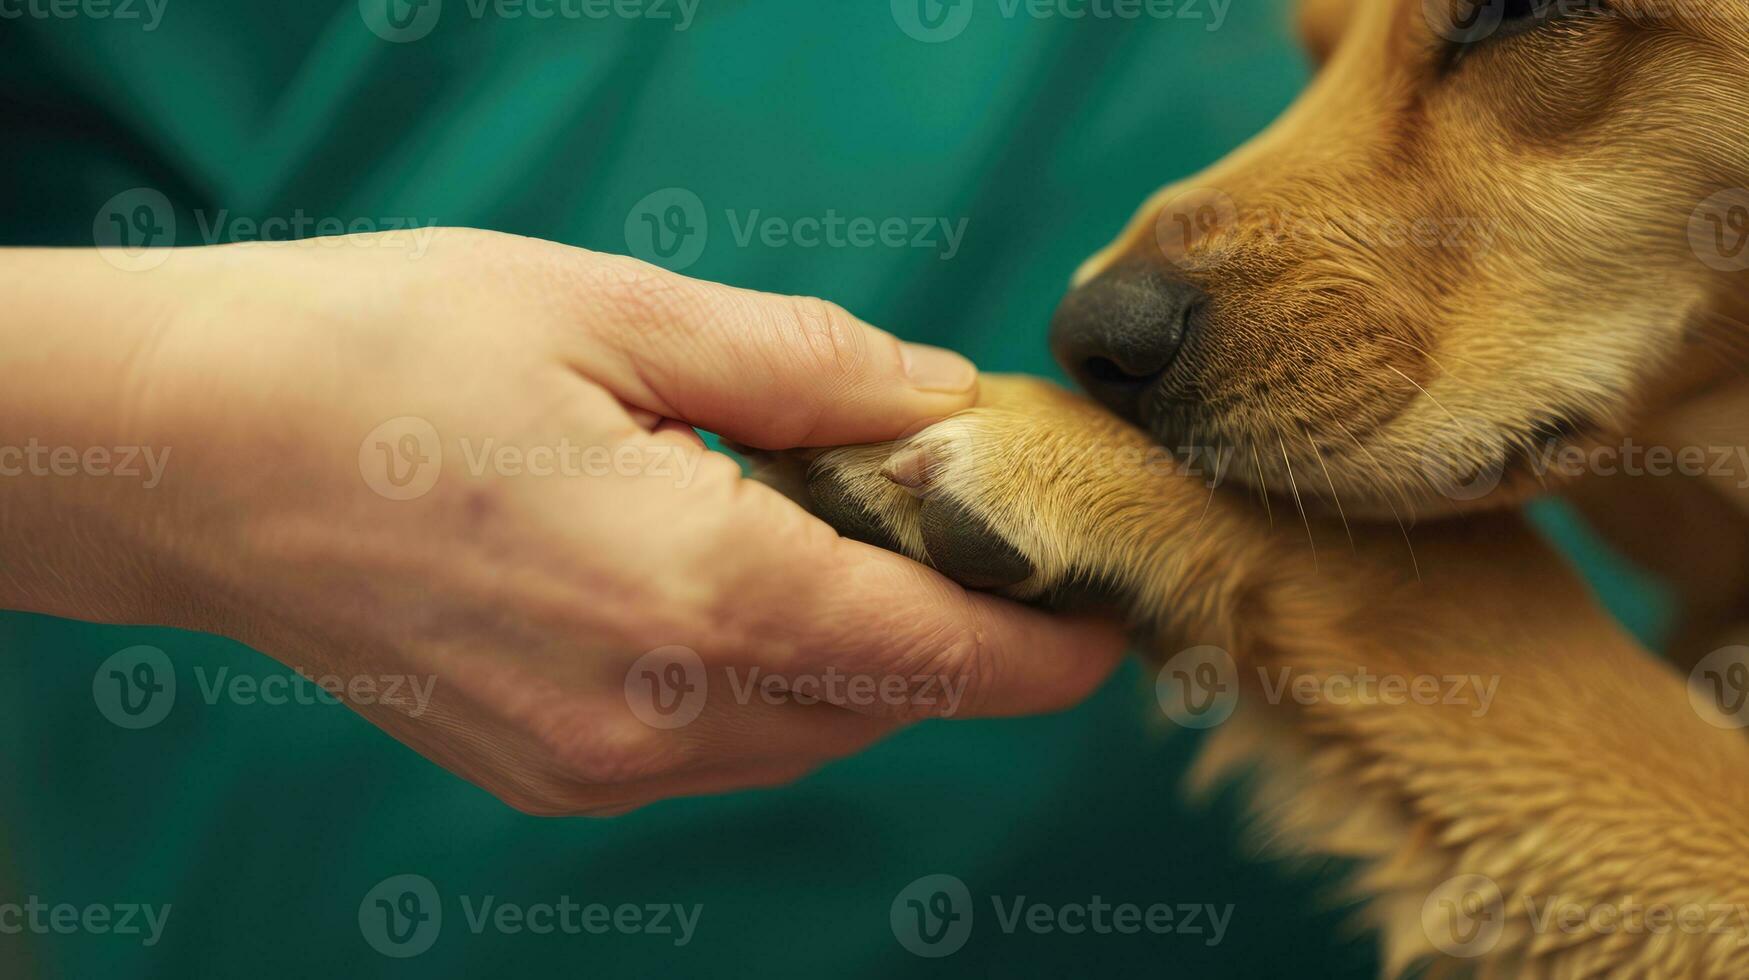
[[260, 375]]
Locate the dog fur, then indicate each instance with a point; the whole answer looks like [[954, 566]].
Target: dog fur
[[1342, 378]]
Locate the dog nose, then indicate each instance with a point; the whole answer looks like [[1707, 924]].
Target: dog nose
[[1119, 334]]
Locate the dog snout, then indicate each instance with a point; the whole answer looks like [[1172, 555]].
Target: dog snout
[[1119, 334]]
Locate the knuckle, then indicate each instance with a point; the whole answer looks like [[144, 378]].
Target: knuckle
[[533, 803], [612, 753], [826, 333], [779, 778], [562, 800], [634, 292], [962, 663]]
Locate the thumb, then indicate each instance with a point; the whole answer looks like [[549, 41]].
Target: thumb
[[768, 371]]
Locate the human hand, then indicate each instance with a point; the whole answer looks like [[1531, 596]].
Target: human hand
[[477, 471]]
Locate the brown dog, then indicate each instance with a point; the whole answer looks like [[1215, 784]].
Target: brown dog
[[1492, 250]]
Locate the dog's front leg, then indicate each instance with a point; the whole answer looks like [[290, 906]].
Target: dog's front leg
[[1037, 491], [1469, 723]]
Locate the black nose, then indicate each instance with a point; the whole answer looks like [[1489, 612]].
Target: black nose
[[1118, 335]]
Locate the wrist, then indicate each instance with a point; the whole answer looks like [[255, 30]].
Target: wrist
[[80, 461]]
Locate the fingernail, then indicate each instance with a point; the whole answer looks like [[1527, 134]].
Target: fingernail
[[935, 369], [909, 468]]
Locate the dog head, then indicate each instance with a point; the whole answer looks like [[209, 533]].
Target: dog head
[[1486, 225]]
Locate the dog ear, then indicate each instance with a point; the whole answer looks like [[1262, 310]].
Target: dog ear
[[1322, 24]]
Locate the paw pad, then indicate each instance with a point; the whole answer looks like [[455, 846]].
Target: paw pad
[[836, 504], [957, 541], [967, 549]]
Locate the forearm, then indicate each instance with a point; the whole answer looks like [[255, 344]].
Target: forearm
[[80, 461]]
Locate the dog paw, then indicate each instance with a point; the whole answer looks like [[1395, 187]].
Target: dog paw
[[943, 498]]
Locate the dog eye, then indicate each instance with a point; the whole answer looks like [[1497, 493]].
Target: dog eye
[[1520, 16], [1479, 22]]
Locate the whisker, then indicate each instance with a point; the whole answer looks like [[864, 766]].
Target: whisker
[[1257, 461], [1397, 488], [1310, 538], [1429, 355], [1424, 391], [1214, 487], [1735, 350], [1333, 492]]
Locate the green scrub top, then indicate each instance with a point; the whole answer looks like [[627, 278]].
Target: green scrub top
[[937, 167]]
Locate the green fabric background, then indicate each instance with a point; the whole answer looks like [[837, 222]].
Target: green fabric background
[[265, 826]]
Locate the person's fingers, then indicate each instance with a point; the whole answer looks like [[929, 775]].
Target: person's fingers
[[752, 733], [679, 432], [928, 647], [617, 801], [754, 715], [772, 372], [970, 655]]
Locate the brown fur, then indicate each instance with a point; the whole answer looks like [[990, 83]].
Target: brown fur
[[1341, 367]]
